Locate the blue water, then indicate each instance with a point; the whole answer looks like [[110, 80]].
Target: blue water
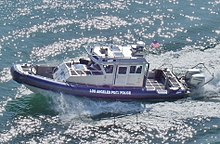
[[50, 31]]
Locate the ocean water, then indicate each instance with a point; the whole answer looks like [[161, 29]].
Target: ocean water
[[50, 31]]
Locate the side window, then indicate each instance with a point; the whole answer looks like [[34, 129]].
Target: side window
[[96, 57], [132, 69], [122, 70], [135, 69], [96, 66], [108, 68], [139, 69]]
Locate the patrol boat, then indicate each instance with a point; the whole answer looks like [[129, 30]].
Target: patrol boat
[[111, 72]]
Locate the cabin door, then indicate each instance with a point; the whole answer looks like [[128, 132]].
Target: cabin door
[[121, 75]]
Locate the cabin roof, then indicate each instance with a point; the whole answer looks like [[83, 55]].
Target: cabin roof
[[115, 54], [113, 51]]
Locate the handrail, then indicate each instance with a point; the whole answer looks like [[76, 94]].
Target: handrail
[[166, 64], [211, 74]]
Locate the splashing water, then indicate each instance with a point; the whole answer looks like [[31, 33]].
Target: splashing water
[[73, 108]]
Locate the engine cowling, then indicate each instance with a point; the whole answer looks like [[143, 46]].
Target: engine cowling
[[195, 78]]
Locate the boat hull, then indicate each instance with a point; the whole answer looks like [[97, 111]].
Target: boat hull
[[93, 91]]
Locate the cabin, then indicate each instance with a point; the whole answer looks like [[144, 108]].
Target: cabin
[[111, 65]]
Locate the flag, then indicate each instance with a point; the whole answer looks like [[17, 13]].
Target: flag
[[155, 44]]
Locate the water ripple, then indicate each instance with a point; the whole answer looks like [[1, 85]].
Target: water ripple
[[41, 53], [103, 23], [5, 75]]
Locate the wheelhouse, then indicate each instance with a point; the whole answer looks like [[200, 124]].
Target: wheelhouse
[[107, 65]]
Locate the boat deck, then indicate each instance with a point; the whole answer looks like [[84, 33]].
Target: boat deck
[[153, 84]]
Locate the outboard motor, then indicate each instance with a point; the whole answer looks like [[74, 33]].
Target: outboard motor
[[195, 78]]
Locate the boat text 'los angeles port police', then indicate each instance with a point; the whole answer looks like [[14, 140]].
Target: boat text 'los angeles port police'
[[109, 92]]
